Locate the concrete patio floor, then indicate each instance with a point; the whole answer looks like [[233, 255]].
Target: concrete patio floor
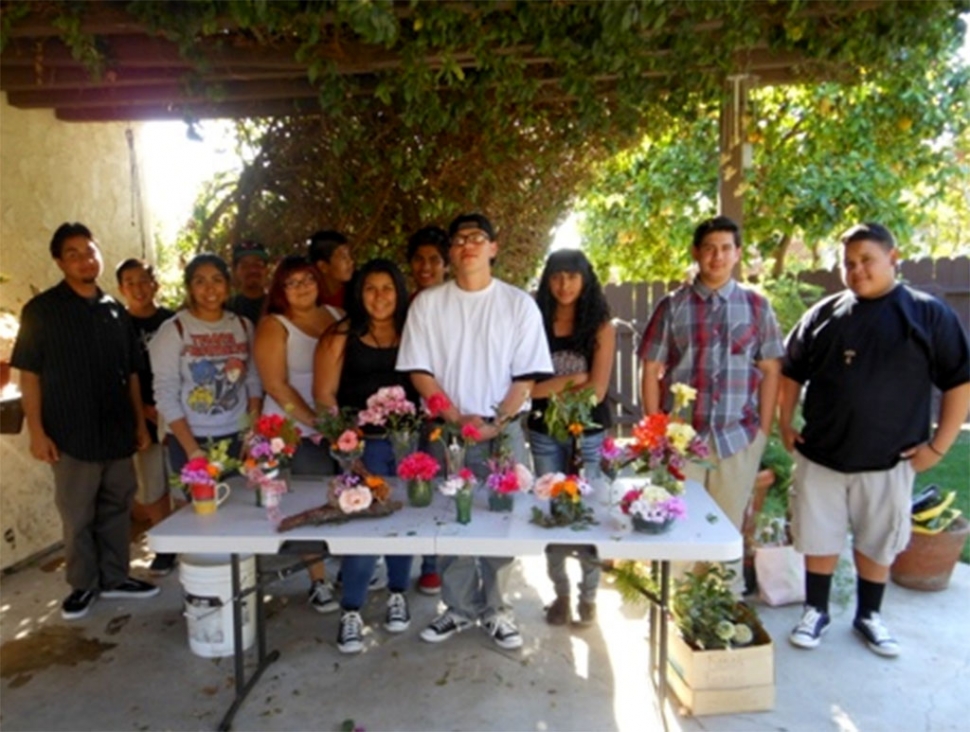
[[127, 666]]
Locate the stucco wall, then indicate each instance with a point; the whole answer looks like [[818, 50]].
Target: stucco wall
[[52, 172]]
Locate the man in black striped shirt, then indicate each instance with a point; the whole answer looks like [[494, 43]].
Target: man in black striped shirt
[[78, 356]]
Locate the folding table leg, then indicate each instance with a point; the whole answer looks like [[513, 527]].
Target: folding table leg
[[243, 687]]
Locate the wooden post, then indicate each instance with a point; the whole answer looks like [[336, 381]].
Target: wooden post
[[730, 189]]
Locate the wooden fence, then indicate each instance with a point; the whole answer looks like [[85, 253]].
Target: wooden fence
[[632, 304]]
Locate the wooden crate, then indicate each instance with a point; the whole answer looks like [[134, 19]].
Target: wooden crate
[[722, 681]]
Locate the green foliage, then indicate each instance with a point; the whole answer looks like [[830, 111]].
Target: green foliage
[[789, 298], [951, 474], [570, 411], [706, 612]]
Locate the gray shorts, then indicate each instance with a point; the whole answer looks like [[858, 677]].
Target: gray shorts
[[876, 507]]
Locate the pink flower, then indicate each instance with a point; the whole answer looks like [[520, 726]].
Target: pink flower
[[523, 477], [436, 404], [470, 433], [466, 475], [277, 444], [348, 441], [354, 500], [418, 466]]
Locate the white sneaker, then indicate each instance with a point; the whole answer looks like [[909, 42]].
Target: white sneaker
[[444, 626], [398, 618], [503, 631], [321, 597], [876, 635], [808, 633], [350, 635]]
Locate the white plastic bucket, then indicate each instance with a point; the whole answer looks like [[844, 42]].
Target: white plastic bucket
[[207, 591]]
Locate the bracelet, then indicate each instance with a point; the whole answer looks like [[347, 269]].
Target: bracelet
[[930, 445]]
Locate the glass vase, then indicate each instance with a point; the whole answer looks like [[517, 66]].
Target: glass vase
[[650, 527], [403, 443], [454, 458], [463, 507], [345, 460], [419, 493], [501, 502]]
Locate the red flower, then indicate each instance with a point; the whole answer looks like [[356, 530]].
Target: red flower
[[470, 432], [436, 404], [676, 473]]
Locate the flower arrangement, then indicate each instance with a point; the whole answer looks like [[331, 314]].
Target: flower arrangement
[[207, 469], [339, 427], [662, 445], [270, 443], [570, 412], [706, 612], [355, 493], [390, 408], [460, 487], [652, 508], [455, 438], [506, 477], [418, 469], [565, 494]]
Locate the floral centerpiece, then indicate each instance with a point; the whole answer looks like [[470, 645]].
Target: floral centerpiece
[[652, 508], [418, 469], [339, 428], [390, 408], [268, 446], [455, 438], [506, 478], [200, 475], [568, 415], [353, 493], [565, 494], [662, 445], [460, 487]]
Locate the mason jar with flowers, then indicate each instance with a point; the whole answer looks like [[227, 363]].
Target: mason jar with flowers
[[418, 469], [269, 446]]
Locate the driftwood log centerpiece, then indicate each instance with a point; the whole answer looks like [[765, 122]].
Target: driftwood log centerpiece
[[331, 512]]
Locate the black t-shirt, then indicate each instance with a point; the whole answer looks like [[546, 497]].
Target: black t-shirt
[[567, 359], [869, 366], [145, 328], [367, 369], [84, 352], [246, 306]]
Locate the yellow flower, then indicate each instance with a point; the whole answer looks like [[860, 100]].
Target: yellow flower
[[680, 435], [683, 395]]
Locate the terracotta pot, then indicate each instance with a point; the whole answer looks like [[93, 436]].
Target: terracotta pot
[[928, 560]]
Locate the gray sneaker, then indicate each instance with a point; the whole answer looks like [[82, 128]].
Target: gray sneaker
[[876, 635], [808, 632], [350, 635], [321, 597], [397, 618]]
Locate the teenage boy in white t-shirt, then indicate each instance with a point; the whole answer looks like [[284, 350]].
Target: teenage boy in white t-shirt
[[481, 343]]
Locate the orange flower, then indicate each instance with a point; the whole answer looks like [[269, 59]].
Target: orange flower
[[650, 430], [435, 434], [575, 429], [567, 487], [212, 470]]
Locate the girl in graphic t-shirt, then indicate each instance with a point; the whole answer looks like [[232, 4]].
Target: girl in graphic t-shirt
[[201, 359], [355, 358], [582, 341]]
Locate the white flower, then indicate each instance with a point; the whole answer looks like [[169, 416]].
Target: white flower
[[276, 445], [354, 500], [543, 486], [451, 486]]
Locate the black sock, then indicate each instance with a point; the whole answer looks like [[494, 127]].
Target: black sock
[[869, 596], [817, 588]]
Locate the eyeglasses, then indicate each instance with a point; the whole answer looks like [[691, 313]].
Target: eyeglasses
[[476, 238], [296, 283]]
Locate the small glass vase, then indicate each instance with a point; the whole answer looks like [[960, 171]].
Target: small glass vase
[[268, 474], [500, 502], [403, 443], [463, 507], [454, 458], [419, 493], [345, 460], [650, 527]]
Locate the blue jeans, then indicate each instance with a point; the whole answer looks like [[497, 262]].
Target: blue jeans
[[355, 570], [551, 456]]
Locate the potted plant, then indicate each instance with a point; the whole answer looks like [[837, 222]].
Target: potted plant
[[939, 533], [721, 659]]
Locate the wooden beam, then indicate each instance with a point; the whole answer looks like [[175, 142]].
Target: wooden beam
[[176, 111]]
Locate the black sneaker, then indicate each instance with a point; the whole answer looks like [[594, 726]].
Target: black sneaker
[[808, 632], [162, 565], [876, 635], [350, 635], [321, 597], [444, 626], [503, 631], [131, 589], [398, 618], [77, 604]]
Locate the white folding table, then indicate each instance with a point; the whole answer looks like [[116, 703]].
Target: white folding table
[[240, 527]]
